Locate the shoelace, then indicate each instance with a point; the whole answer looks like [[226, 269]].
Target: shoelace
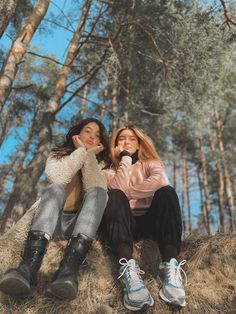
[[133, 272], [174, 273]]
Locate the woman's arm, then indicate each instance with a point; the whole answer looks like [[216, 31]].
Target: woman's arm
[[92, 173], [120, 179], [150, 185], [62, 170]]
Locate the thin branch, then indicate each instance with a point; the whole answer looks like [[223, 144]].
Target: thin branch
[[77, 90], [22, 87], [69, 22], [46, 57], [59, 25], [228, 19]]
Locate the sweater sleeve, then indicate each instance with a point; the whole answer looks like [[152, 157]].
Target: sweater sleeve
[[62, 170], [157, 179], [120, 179], [92, 173]]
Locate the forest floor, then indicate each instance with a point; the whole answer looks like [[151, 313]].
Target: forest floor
[[210, 268]]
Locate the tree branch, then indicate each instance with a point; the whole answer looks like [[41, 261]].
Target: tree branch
[[228, 19]]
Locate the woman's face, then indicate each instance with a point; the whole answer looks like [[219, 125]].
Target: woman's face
[[127, 140], [90, 135]]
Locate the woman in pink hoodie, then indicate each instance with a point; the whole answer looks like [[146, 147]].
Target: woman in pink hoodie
[[142, 204]]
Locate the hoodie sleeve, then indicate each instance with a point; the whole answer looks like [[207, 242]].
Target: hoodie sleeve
[[157, 179], [120, 179], [62, 170]]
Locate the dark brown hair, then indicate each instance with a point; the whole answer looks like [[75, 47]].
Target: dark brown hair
[[68, 147]]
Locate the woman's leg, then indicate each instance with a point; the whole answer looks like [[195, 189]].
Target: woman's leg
[[118, 227], [21, 282], [118, 224], [164, 222], [64, 284], [51, 205], [91, 213]]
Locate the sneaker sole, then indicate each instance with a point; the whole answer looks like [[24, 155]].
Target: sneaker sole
[[175, 302], [62, 290], [16, 286], [141, 309]]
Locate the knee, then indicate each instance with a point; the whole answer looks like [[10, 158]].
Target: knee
[[165, 191], [98, 194], [116, 194], [118, 203], [55, 190]]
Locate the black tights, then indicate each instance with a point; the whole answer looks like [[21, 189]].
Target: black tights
[[162, 223]]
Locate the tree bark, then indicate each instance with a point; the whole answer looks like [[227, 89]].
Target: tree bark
[[5, 120], [174, 174], [18, 49], [103, 107], [183, 201], [7, 11], [187, 188], [202, 203], [210, 229], [114, 125], [84, 101]]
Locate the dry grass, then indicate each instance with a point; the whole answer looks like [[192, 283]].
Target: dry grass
[[211, 278]]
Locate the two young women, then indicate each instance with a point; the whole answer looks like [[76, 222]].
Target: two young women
[[140, 204]]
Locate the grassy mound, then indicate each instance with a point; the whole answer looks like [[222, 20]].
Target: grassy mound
[[211, 271]]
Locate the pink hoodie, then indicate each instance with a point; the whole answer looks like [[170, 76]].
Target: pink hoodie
[[138, 181]]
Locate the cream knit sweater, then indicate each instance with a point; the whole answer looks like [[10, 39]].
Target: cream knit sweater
[[62, 171]]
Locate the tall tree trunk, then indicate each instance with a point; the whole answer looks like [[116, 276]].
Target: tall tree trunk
[[5, 120], [187, 187], [210, 229], [22, 195], [227, 181], [7, 11], [202, 202], [220, 192], [183, 201], [114, 107], [61, 83], [84, 100], [103, 107], [18, 49], [174, 174]]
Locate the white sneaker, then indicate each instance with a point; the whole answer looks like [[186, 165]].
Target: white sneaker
[[136, 295], [172, 290]]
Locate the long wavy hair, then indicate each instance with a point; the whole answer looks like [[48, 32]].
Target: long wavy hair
[[146, 149], [68, 147]]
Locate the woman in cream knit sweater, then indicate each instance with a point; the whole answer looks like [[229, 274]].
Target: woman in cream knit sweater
[[71, 207]]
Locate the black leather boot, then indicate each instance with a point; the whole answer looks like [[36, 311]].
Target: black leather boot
[[21, 282], [64, 283]]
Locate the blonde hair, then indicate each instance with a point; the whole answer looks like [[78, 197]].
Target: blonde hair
[[146, 150]]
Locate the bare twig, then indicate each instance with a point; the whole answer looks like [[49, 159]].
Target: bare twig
[[228, 19]]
